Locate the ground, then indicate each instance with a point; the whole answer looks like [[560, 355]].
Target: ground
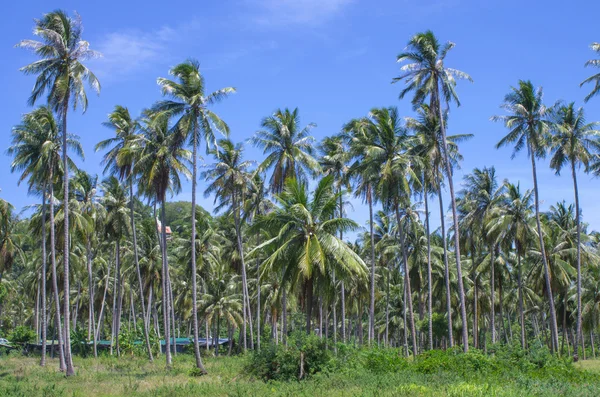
[[127, 376]]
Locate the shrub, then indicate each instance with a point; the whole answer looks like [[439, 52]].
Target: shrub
[[22, 334], [383, 360]]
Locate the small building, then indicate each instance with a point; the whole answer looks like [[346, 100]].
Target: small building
[[167, 229]]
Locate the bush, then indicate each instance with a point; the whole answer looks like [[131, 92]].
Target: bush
[[22, 334], [279, 362], [383, 360]]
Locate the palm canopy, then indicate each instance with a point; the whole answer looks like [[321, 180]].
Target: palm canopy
[[289, 148], [162, 159], [528, 120], [229, 175], [189, 100], [36, 145], [116, 203], [574, 141], [118, 160], [60, 70], [335, 159], [424, 71], [306, 228], [595, 78]]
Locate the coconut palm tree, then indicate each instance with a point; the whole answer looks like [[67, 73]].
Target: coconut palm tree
[[229, 179], [62, 74], [289, 148], [594, 78], [120, 159], [36, 146], [190, 102], [426, 75], [162, 162], [574, 143], [307, 242], [527, 121]]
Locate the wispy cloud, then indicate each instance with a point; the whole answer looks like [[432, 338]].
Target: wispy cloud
[[285, 12]]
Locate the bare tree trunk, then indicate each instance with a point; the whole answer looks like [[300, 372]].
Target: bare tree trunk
[[493, 293], [429, 282], [43, 280], [446, 270], [59, 330], [91, 322], [165, 287], [372, 295], [578, 331], [520, 287], [101, 315]]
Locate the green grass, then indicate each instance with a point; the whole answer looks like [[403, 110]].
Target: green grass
[[127, 376]]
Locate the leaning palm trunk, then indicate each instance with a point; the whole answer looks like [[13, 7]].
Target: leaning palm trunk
[[70, 370], [342, 291], [446, 270], [248, 315], [43, 280], [461, 289], [553, 326], [493, 293], [139, 273], [199, 363], [59, 330], [429, 294], [91, 327], [372, 292], [520, 280], [409, 303], [578, 332]]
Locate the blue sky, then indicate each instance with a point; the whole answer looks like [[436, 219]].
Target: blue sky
[[334, 59]]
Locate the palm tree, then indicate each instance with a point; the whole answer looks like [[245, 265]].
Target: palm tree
[[426, 75], [36, 148], [229, 179], [335, 160], [159, 168], [307, 242], [60, 71], [529, 127], [190, 102], [594, 78], [574, 143], [288, 147], [120, 161]]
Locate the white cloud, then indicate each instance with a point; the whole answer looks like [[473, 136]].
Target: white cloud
[[282, 12]]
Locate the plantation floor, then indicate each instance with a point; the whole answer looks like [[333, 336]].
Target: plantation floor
[[106, 376]]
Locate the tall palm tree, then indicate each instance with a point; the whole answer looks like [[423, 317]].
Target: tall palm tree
[[289, 148], [36, 146], [159, 168], [574, 142], [307, 241], [120, 161], [529, 128], [62, 74], [594, 78], [335, 160], [426, 75], [427, 147], [190, 102], [229, 179]]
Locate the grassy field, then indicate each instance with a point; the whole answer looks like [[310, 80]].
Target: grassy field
[[107, 376]]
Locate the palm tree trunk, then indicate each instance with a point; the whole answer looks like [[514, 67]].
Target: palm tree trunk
[[520, 287], [77, 300], [407, 277], [553, 327], [309, 304], [258, 327], [70, 370], [101, 315], [59, 330], [284, 329], [446, 269], [165, 286], [387, 304], [247, 318], [91, 324], [43, 280], [333, 304], [117, 314], [461, 289], [197, 355], [172, 313], [342, 291], [429, 282], [578, 332], [405, 332], [493, 293], [372, 294], [138, 272], [475, 306]]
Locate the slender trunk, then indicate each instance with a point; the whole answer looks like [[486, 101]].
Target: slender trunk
[[284, 329], [372, 295], [475, 307], [493, 293], [342, 290], [520, 287], [101, 315], [407, 277], [172, 313], [91, 325], [240, 248], [197, 355], [70, 370], [461, 289], [119, 295], [59, 330], [309, 304], [429, 282], [320, 317], [165, 286], [387, 304], [43, 280], [335, 314], [577, 220], [446, 270], [77, 300], [405, 333], [258, 328], [553, 327], [36, 315]]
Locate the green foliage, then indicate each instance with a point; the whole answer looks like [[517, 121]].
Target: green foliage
[[280, 362], [79, 342], [22, 334]]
